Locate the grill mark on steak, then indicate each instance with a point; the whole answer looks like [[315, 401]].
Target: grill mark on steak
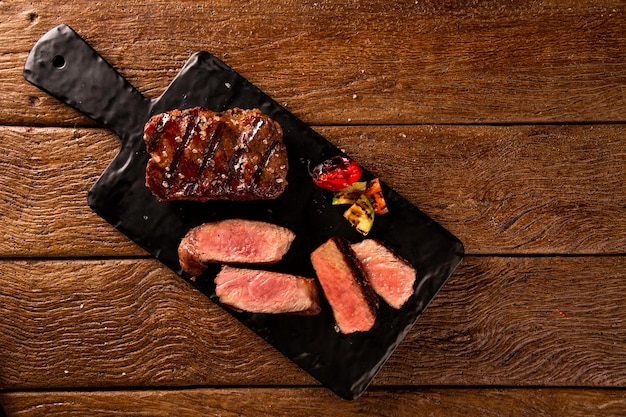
[[256, 178], [214, 142], [235, 168], [184, 142], [207, 156], [153, 130], [256, 124]]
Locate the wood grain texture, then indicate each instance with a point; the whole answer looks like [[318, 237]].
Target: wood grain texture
[[503, 121], [310, 401], [506, 189], [498, 322], [500, 189], [521, 321], [46, 174], [338, 63]]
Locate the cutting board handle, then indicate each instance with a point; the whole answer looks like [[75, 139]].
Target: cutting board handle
[[65, 66]]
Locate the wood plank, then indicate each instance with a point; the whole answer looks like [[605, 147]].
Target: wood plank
[[521, 321], [499, 321], [500, 189], [314, 401], [338, 63], [43, 193]]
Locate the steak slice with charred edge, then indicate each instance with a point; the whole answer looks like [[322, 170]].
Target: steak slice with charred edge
[[387, 273], [197, 154], [258, 291], [233, 241], [344, 284]]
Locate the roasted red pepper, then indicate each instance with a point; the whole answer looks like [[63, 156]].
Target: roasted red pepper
[[336, 173]]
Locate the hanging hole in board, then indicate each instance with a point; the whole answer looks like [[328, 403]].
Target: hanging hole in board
[[58, 61]]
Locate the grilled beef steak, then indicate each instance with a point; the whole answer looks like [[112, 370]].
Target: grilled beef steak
[[259, 291], [388, 274], [233, 241], [353, 302], [200, 155]]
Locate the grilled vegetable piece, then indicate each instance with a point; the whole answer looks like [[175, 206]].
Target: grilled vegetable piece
[[336, 173], [197, 154], [233, 241], [374, 192], [268, 292], [349, 195], [361, 215], [387, 273], [344, 284]]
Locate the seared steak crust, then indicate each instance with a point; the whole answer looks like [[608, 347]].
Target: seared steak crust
[[344, 284], [197, 154]]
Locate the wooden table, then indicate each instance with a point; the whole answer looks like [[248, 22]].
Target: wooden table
[[503, 121]]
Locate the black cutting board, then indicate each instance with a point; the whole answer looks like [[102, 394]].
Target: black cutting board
[[65, 66]]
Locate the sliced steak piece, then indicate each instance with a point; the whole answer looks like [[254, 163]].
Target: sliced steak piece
[[387, 273], [233, 241], [197, 154], [338, 270], [259, 291]]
